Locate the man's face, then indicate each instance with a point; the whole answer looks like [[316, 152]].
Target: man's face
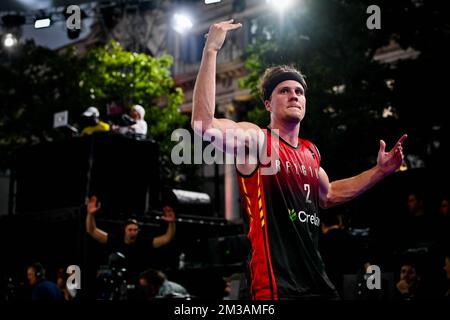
[[135, 115], [408, 273], [288, 101], [131, 232], [413, 203], [31, 275]]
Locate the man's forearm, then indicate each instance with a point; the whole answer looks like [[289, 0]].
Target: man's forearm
[[347, 189], [205, 90], [90, 224], [171, 230]]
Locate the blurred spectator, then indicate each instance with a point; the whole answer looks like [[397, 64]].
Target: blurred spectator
[[61, 283], [409, 286], [418, 227], [42, 289], [139, 128], [339, 249], [154, 284], [444, 208], [90, 122], [132, 243], [234, 287]]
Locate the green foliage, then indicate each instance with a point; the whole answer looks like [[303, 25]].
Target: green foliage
[[113, 74], [37, 82]]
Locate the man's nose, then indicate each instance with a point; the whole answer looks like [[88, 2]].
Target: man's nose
[[292, 95]]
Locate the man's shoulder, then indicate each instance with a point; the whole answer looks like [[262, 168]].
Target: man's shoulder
[[311, 147], [306, 142]]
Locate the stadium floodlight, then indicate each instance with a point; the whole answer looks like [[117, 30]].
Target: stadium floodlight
[[280, 4], [181, 23], [42, 22], [9, 40]]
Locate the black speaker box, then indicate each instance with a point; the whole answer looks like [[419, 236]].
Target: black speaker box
[[119, 170]]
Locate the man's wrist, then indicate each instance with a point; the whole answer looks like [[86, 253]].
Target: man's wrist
[[382, 172], [210, 51]]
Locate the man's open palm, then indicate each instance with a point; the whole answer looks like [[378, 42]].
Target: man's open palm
[[390, 161]]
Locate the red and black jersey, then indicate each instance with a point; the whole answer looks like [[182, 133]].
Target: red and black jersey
[[284, 223]]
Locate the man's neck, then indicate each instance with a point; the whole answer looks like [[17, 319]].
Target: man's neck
[[288, 131]]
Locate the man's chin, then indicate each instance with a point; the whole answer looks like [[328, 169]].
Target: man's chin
[[295, 118]]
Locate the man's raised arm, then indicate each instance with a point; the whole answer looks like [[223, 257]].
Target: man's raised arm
[[91, 227], [169, 217], [204, 97]]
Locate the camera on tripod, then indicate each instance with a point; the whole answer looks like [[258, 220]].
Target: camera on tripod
[[113, 279]]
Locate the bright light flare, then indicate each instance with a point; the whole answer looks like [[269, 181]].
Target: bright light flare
[[10, 40], [181, 23]]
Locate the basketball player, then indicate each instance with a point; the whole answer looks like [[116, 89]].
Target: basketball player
[[282, 204]]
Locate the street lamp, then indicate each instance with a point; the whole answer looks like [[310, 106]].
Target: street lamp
[[280, 4], [9, 40], [43, 22], [181, 23]]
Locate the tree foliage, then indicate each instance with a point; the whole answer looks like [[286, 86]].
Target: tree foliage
[[38, 82], [113, 74]]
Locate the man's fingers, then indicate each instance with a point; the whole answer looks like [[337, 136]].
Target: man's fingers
[[235, 26], [230, 25], [382, 146], [403, 138]]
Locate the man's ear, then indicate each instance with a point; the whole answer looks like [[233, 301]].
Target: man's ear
[[267, 105]]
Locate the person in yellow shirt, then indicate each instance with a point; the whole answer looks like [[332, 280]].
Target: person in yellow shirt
[[93, 123]]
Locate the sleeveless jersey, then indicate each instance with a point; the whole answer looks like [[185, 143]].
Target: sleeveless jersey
[[284, 224]]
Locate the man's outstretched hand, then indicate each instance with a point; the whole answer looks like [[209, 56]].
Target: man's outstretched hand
[[217, 33], [390, 161], [92, 205], [168, 214]]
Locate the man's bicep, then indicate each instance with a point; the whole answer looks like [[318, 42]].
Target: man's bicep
[[230, 136], [100, 235], [324, 188]]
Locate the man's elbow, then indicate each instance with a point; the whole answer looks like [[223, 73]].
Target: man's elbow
[[327, 202], [89, 230], [200, 125]]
